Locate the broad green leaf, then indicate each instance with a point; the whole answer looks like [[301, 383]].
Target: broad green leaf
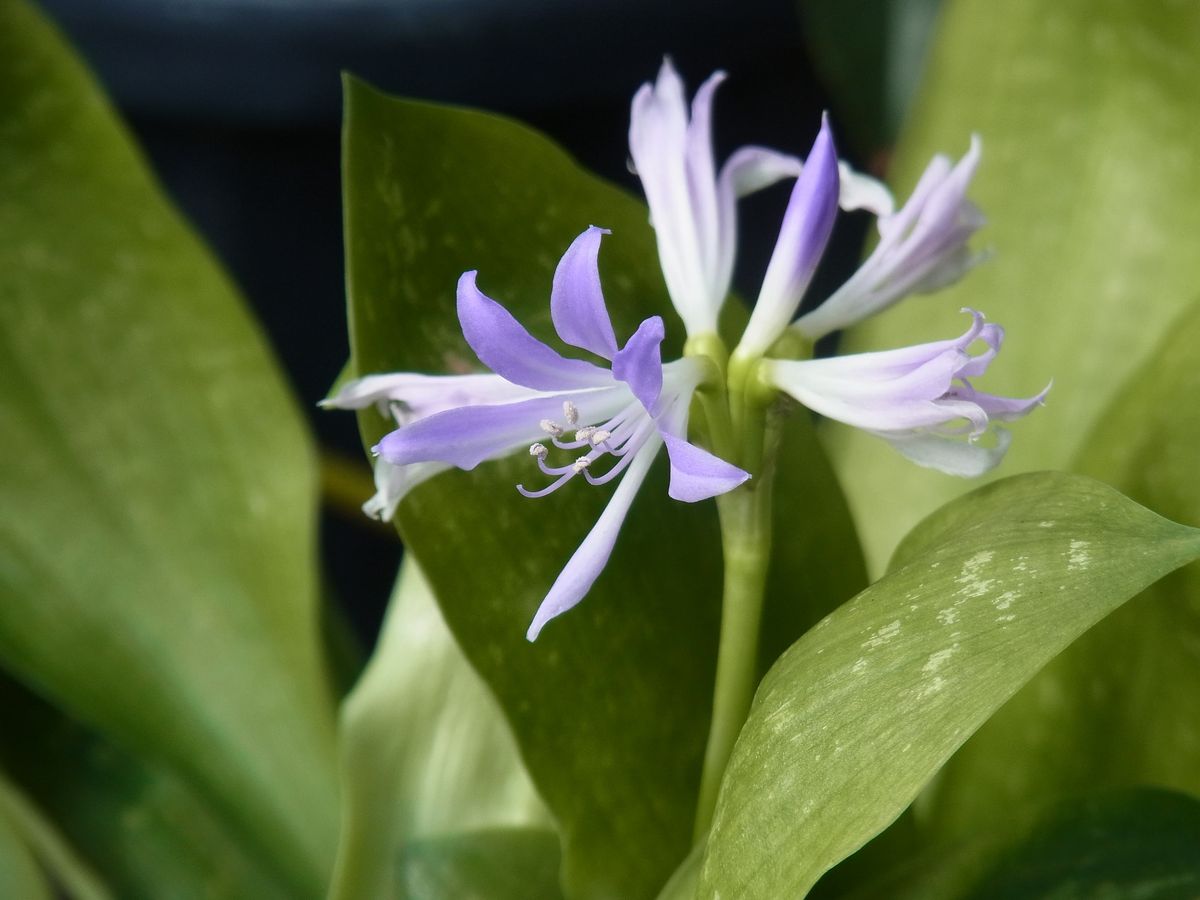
[[20, 874], [1134, 843], [157, 534], [1087, 113], [610, 707], [490, 864], [169, 840], [856, 717], [1122, 705], [424, 749], [1137, 844]]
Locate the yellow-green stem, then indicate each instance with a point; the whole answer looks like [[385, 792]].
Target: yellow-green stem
[[746, 537]]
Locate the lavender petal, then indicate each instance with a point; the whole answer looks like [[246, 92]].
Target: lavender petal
[[697, 474], [505, 347], [586, 564], [467, 436], [639, 362], [807, 224], [576, 299]]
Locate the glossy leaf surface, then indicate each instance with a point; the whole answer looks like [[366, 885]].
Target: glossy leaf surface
[[1122, 706], [610, 707], [491, 864], [1087, 114], [424, 748], [863, 710], [157, 534]]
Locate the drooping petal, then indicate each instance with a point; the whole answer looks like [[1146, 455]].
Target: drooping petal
[[639, 362], [586, 564], [917, 398], [922, 248], [392, 484], [504, 346], [467, 436], [859, 191], [807, 225], [962, 458], [576, 299], [697, 474], [424, 395]]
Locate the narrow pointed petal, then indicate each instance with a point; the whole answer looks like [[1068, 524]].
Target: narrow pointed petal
[[505, 347], [424, 395], [702, 173], [697, 474], [807, 225], [467, 436], [922, 248], [673, 159], [639, 362], [576, 299], [586, 564]]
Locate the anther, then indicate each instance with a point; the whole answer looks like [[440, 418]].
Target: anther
[[582, 463], [599, 436], [584, 433], [571, 412], [538, 450], [551, 428]]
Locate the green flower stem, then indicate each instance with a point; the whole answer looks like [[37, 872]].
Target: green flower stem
[[746, 537]]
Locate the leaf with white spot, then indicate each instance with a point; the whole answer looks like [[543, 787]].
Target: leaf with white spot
[[856, 717], [1122, 706]]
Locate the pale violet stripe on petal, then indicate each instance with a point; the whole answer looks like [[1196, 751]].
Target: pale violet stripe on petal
[[467, 436], [807, 224]]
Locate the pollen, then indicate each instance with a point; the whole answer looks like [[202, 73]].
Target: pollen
[[571, 412], [538, 450], [551, 428], [584, 433], [599, 436], [582, 463]]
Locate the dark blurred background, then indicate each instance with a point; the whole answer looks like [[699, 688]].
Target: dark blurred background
[[237, 105]]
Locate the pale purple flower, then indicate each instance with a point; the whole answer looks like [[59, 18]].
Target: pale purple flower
[[922, 248], [541, 403], [919, 399], [693, 207]]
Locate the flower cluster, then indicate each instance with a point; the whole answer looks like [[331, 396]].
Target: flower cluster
[[613, 418]]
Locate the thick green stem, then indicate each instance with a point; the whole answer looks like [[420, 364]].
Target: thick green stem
[[746, 535]]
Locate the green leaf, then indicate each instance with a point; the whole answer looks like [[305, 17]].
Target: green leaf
[[491, 864], [1086, 110], [20, 875], [610, 707], [870, 54], [860, 713], [424, 749], [1137, 844], [1133, 843], [156, 545], [169, 839], [1122, 705]]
